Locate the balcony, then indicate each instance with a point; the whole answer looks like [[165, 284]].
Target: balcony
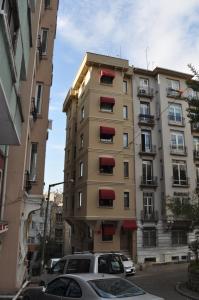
[[145, 92], [144, 150], [149, 218], [195, 126], [175, 93], [146, 120], [150, 182], [196, 154], [176, 120], [180, 182], [178, 150]]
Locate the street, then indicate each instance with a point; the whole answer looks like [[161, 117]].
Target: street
[[161, 280]]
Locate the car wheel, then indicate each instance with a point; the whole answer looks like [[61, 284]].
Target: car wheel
[[42, 283]]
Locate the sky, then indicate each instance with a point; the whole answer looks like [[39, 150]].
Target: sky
[[151, 33]]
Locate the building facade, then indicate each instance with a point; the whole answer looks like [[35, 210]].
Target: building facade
[[27, 35], [130, 151], [99, 195]]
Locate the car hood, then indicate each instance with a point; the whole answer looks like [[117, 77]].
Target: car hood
[[127, 264]]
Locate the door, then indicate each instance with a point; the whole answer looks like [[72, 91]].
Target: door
[[147, 171]]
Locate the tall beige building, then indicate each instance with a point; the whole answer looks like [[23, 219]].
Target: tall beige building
[[130, 149], [99, 194], [25, 137]]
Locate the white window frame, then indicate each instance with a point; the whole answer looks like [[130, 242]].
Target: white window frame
[[125, 140], [148, 203], [125, 112], [175, 141], [180, 166], [125, 86], [82, 113], [44, 51], [173, 110], [33, 162], [174, 84], [196, 143], [147, 167], [146, 140], [81, 169], [145, 108], [80, 199]]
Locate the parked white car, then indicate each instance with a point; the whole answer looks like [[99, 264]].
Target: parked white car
[[128, 264]]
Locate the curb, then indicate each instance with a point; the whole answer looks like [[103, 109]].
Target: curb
[[186, 293]]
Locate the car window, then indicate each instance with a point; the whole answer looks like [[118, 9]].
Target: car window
[[58, 268], [124, 258], [78, 266], [115, 288], [103, 264], [110, 264], [58, 287], [73, 290]]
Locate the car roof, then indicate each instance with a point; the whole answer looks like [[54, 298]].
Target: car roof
[[90, 276], [88, 255]]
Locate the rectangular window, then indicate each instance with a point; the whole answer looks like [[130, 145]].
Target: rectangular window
[[126, 169], [174, 84], [82, 113], [38, 96], [47, 4], [125, 140], [179, 237], [147, 171], [148, 203], [144, 83], [196, 143], [145, 108], [80, 200], [81, 141], [149, 237], [44, 37], [146, 141], [175, 113], [33, 225], [106, 202], [31, 240], [125, 86], [179, 173], [125, 112], [177, 141], [33, 161], [59, 218], [41, 225], [126, 199], [81, 167], [108, 230], [58, 233], [106, 107]]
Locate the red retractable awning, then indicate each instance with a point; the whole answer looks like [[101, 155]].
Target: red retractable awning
[[107, 100], [107, 73], [106, 194], [129, 224], [108, 229], [107, 130], [107, 161]]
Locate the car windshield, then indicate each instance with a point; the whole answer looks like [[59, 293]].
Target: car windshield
[[124, 258], [115, 288]]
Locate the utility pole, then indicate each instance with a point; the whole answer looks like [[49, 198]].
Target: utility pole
[[43, 246]]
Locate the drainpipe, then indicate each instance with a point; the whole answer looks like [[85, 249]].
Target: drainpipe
[[4, 182]]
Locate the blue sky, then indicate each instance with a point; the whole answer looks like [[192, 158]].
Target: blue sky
[[168, 31]]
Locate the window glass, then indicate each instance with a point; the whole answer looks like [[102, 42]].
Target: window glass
[[58, 287], [175, 112], [149, 238], [106, 107], [44, 35], [125, 112], [146, 140], [73, 290], [78, 266], [125, 86], [59, 267], [177, 140], [126, 169], [33, 161], [148, 203], [179, 237], [81, 167], [125, 140], [106, 80], [82, 113], [147, 171], [144, 108], [126, 199]]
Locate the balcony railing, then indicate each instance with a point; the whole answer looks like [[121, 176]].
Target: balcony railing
[[175, 93], [147, 150], [176, 120], [146, 120], [195, 126], [178, 150], [146, 92], [149, 182], [184, 182], [196, 154], [152, 217]]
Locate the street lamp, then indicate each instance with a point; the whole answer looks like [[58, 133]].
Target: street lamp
[[43, 247]]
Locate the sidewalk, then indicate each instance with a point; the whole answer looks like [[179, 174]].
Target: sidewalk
[[181, 288]]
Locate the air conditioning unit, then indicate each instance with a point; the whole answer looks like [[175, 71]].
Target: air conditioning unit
[[142, 91]]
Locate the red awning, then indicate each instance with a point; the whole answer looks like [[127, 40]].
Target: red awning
[[107, 161], [108, 229], [107, 130], [3, 227], [107, 73], [107, 100], [106, 194], [129, 224]]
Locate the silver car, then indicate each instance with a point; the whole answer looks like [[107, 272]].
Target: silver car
[[88, 287]]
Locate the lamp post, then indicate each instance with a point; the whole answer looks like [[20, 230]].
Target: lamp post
[[43, 246]]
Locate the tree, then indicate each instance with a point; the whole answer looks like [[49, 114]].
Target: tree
[[193, 110]]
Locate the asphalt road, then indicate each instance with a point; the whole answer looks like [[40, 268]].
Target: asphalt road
[[161, 280]]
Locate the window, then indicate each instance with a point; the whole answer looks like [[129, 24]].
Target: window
[[149, 237], [106, 104], [179, 173], [126, 169], [179, 237], [82, 113], [174, 84], [106, 202], [31, 240], [148, 203], [106, 165], [107, 77], [47, 4], [58, 268], [147, 171], [125, 140], [196, 143], [182, 202], [145, 108], [44, 36], [11, 12], [33, 225], [177, 141], [81, 141], [58, 287], [125, 86], [125, 112], [146, 140], [106, 134], [59, 218], [79, 199], [126, 199], [175, 113], [38, 96], [144, 84], [33, 161], [108, 230], [197, 174], [78, 265], [81, 167], [58, 233], [41, 225]]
